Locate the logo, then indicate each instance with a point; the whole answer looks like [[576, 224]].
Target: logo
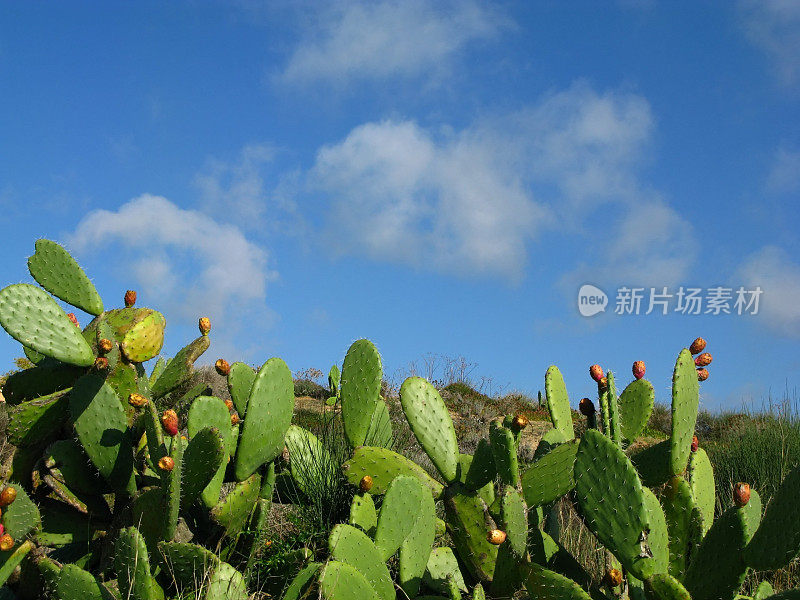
[[591, 300]]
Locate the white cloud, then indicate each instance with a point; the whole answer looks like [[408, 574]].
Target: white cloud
[[779, 277], [471, 201], [357, 39], [182, 260], [784, 177], [774, 26]]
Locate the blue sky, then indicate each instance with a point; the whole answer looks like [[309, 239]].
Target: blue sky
[[440, 177]]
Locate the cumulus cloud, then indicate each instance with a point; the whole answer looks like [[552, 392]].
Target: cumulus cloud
[[357, 39], [471, 201], [774, 26], [779, 277], [182, 260]]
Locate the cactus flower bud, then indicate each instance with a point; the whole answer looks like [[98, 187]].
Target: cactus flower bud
[[496, 537], [596, 372], [105, 345], [229, 404], [703, 360], [222, 366], [741, 494], [235, 419], [638, 369], [586, 407], [166, 463], [74, 320], [519, 422], [603, 383], [205, 325], [365, 484], [170, 422], [137, 400], [697, 346], [101, 363], [7, 496], [6, 542], [695, 443], [130, 298], [613, 577], [702, 374]]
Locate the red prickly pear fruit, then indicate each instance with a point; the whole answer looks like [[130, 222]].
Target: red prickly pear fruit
[[697, 346], [365, 484], [703, 360], [613, 577], [695, 443], [229, 404], [170, 422], [2, 529], [222, 367], [101, 363], [74, 320], [519, 422], [7, 496], [586, 407], [105, 345], [496, 536], [702, 374], [638, 369], [137, 400], [596, 372], [6, 542], [166, 463], [205, 325], [741, 494], [130, 298]]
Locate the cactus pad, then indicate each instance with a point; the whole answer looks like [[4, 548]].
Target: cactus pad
[[479, 469], [777, 539], [504, 450], [363, 514], [685, 402], [21, 517], [652, 464], [431, 423], [383, 466], [678, 505], [144, 340], [558, 402], [210, 411], [443, 566], [226, 583], [551, 476], [203, 458], [360, 389], [380, 427], [352, 546], [701, 481], [312, 466], [76, 584], [33, 422], [179, 368], [302, 582], [658, 538], [398, 512], [340, 581], [469, 523], [240, 382], [133, 568], [544, 584], [635, 405], [233, 510], [663, 586], [416, 547]]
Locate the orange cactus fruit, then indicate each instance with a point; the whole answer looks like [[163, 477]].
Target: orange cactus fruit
[[222, 367], [496, 536], [7, 496], [130, 298], [638, 369], [695, 443], [365, 484], [166, 463], [229, 404], [137, 400], [702, 374], [519, 422], [6, 542], [596, 372], [741, 494], [101, 363], [697, 346], [105, 345], [170, 422], [703, 360], [205, 325], [235, 420], [613, 577], [74, 320]]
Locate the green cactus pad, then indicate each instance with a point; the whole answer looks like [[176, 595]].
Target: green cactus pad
[[764, 591], [158, 369], [363, 514], [334, 379], [268, 416], [442, 566], [652, 464], [33, 355], [361, 389], [10, 559], [380, 427], [777, 539], [45, 378], [685, 402], [311, 464], [204, 457], [635, 405], [232, 511], [102, 428], [226, 583], [340, 581], [658, 538], [611, 500], [718, 569], [352, 546], [678, 504], [431, 423], [383, 466], [544, 584], [479, 469], [398, 512], [133, 568], [144, 340], [504, 450], [751, 513], [302, 582], [551, 476], [76, 584], [515, 520], [613, 409], [150, 514], [558, 402], [240, 382], [154, 432], [179, 368], [56, 271], [470, 523], [62, 524], [701, 482], [33, 422], [210, 411], [664, 586], [35, 320], [171, 483], [21, 517], [416, 547], [786, 595], [186, 564], [550, 439]]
